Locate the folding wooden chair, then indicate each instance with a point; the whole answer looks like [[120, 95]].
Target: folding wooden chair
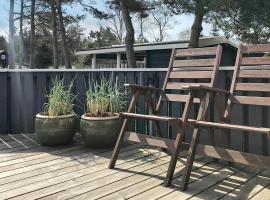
[[248, 65], [185, 64]]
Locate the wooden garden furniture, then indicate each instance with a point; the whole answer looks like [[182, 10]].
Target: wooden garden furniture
[[185, 65], [250, 66]]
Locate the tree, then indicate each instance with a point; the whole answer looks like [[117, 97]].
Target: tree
[[248, 20], [215, 30], [54, 34], [200, 9], [127, 7], [102, 37], [141, 16], [32, 34], [185, 34], [115, 22], [63, 34], [21, 50], [3, 43], [160, 18], [11, 34]]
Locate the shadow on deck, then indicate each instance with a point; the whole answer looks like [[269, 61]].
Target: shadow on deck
[[29, 171]]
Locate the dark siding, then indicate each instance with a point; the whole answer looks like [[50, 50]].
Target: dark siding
[[228, 55], [161, 58], [158, 58]]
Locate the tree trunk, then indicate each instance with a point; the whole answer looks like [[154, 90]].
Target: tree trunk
[[21, 35], [129, 40], [11, 34], [196, 30], [54, 30], [32, 34], [63, 35]]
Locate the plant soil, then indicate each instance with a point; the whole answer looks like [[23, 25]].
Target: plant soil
[[107, 114]]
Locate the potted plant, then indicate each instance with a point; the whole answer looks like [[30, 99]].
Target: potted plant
[[56, 124], [101, 123]]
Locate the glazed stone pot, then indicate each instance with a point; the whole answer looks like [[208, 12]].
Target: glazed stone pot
[[55, 130], [100, 132]]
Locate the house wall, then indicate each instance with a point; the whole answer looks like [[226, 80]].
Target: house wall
[[161, 58], [4, 62]]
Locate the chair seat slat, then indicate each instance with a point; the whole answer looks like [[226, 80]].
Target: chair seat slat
[[179, 86], [178, 98], [234, 156]]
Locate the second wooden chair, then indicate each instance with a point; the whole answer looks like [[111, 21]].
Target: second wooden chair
[[190, 66]]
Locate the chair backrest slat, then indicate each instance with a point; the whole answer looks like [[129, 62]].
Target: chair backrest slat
[[259, 87], [254, 74], [257, 48], [256, 60], [188, 67], [251, 78], [207, 51], [251, 100], [192, 66], [194, 63], [191, 74]]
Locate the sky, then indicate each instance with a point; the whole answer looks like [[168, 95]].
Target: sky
[[179, 23]]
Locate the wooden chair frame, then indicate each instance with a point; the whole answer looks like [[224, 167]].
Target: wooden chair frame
[[181, 124], [239, 72]]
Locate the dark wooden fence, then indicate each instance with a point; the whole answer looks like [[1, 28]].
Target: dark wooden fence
[[23, 93]]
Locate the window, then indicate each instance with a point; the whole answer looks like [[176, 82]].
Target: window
[[3, 57]]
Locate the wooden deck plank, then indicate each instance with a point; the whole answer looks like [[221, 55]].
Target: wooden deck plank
[[147, 185], [246, 189], [116, 178], [64, 153], [227, 185], [263, 195], [71, 164], [174, 192], [29, 171], [134, 184], [56, 184]]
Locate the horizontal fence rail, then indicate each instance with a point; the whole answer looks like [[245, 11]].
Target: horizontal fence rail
[[23, 94]]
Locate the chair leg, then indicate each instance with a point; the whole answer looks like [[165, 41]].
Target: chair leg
[[190, 159], [202, 115], [178, 141], [120, 139], [174, 157], [118, 145]]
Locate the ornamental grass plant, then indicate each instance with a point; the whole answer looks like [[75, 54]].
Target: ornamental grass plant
[[60, 99], [104, 99]]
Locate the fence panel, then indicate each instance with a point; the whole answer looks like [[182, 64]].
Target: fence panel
[[23, 94]]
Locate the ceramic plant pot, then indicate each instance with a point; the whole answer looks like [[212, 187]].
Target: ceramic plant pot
[[55, 130], [100, 132]]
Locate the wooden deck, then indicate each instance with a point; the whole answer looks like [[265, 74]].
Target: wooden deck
[[29, 171]]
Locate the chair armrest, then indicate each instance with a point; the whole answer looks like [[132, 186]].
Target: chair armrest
[[143, 88], [206, 88]]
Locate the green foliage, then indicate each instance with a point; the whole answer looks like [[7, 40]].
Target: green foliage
[[191, 6], [3, 43], [248, 20], [104, 99], [103, 37], [60, 99]]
